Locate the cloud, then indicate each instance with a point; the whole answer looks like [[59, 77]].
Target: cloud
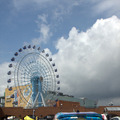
[[45, 34], [43, 18], [89, 61], [109, 7], [64, 8], [43, 29], [56, 9], [25, 3], [3, 77]]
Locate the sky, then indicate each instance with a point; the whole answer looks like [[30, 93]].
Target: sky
[[82, 35]]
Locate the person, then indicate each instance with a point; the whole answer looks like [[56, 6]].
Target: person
[[77, 110]]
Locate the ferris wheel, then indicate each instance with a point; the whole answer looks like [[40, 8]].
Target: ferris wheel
[[34, 74]]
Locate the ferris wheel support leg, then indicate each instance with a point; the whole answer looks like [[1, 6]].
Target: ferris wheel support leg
[[43, 100], [35, 100], [33, 90], [39, 91]]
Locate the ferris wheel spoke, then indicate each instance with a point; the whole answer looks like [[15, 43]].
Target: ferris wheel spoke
[[23, 77], [27, 68], [47, 79], [23, 69], [28, 82], [48, 83], [49, 76], [31, 68], [45, 71], [25, 81], [45, 87], [39, 71], [45, 66]]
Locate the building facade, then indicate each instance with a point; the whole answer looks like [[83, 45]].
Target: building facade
[[2, 101]]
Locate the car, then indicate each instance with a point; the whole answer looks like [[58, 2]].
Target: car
[[78, 116], [104, 117], [115, 118]]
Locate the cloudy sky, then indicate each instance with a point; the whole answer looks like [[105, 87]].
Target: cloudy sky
[[83, 36]]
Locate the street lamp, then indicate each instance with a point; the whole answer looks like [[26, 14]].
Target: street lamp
[[33, 113], [61, 107]]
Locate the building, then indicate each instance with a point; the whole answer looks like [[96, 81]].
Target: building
[[84, 102], [2, 101], [62, 106], [57, 103], [13, 98]]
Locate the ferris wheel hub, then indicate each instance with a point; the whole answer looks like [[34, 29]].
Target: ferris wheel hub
[[41, 78]]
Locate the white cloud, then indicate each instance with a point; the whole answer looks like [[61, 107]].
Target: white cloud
[[89, 61], [24, 3], [45, 34], [3, 77], [43, 18], [56, 8], [43, 29], [64, 8], [109, 7]]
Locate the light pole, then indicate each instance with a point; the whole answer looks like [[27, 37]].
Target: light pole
[[33, 113], [61, 107]]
